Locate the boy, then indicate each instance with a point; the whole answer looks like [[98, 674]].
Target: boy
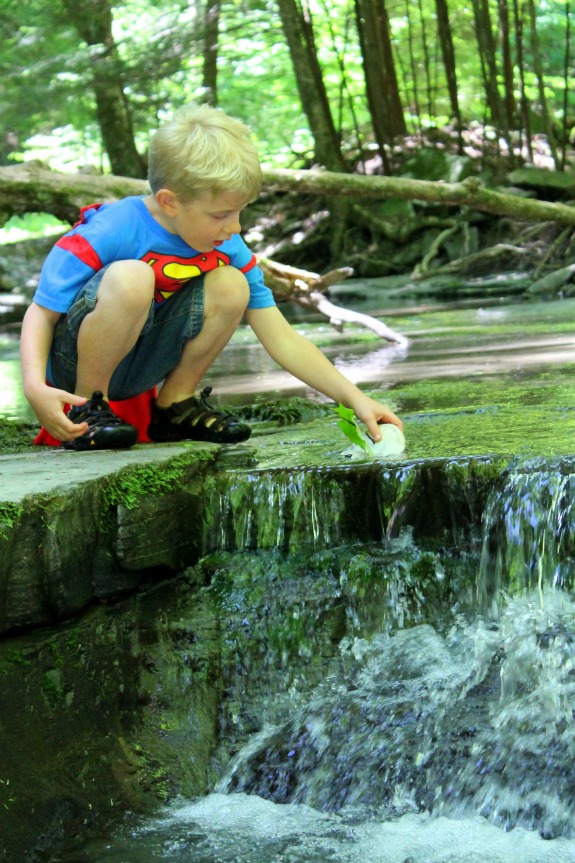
[[151, 289]]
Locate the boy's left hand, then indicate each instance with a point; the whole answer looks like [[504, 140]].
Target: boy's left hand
[[373, 414]]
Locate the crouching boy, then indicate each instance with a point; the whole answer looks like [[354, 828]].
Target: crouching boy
[[147, 291]]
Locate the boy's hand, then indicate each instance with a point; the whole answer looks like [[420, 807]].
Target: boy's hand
[[48, 405], [373, 414]]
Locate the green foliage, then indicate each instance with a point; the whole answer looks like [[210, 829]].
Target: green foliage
[[31, 225], [348, 424], [48, 107]]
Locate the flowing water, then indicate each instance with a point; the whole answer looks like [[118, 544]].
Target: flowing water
[[386, 702], [385, 699]]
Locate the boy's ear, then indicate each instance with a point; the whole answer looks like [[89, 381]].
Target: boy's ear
[[166, 201]]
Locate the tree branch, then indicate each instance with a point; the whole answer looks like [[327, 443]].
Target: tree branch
[[307, 289]]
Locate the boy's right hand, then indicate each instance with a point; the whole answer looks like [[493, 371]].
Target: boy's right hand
[[48, 404]]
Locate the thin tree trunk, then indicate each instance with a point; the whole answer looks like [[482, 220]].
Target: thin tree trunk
[[298, 29], [211, 45], [538, 67], [345, 92], [523, 101], [448, 54], [486, 42], [427, 62], [93, 21], [566, 81], [413, 66], [509, 98]]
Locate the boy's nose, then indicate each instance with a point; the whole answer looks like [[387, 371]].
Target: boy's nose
[[233, 225]]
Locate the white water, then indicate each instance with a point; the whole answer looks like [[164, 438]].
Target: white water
[[244, 829], [528, 726]]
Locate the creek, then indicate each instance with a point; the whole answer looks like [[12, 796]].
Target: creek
[[394, 682], [384, 701]]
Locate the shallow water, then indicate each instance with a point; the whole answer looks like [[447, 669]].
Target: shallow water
[[490, 347], [474, 381]]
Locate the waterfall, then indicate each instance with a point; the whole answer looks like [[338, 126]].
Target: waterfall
[[319, 507], [324, 507], [396, 665], [528, 533]]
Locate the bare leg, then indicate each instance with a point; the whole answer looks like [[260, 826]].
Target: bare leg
[[226, 297], [111, 330]]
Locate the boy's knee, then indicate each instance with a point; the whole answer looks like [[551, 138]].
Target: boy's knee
[[128, 283], [226, 289]]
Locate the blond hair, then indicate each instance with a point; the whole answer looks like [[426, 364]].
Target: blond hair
[[202, 149]]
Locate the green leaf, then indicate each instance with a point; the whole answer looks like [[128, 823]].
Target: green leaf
[[348, 424]]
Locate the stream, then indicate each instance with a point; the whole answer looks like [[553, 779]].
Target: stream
[[384, 700], [387, 702], [458, 342]]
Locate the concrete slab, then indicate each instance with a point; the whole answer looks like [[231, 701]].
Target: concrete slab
[[50, 469]]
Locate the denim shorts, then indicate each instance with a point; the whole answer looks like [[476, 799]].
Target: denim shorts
[[158, 349]]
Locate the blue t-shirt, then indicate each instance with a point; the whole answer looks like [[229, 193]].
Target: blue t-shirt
[[126, 230]]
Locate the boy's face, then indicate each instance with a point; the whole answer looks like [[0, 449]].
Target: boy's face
[[208, 220]]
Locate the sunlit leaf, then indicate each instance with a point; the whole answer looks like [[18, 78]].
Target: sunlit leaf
[[348, 424]]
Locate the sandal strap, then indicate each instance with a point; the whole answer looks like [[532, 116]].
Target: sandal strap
[[198, 413], [95, 411]]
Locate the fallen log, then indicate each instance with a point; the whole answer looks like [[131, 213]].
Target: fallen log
[[28, 187], [469, 193]]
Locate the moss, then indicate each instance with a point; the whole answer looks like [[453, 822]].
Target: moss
[[17, 436], [9, 516], [282, 411], [525, 390], [131, 483], [495, 431]]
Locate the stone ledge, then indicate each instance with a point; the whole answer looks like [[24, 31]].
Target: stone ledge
[[75, 527]]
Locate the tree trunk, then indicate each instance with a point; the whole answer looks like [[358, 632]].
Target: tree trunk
[[381, 84], [28, 189], [298, 29], [448, 55], [525, 120], [211, 44], [413, 66], [93, 21], [509, 99], [428, 63], [486, 42], [566, 84], [538, 67]]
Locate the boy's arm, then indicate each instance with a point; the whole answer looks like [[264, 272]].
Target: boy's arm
[[298, 355], [47, 402]]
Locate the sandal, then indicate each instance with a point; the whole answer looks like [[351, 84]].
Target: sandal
[[106, 430], [195, 419]]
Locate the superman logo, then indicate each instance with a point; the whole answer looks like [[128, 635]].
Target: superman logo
[[172, 272]]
